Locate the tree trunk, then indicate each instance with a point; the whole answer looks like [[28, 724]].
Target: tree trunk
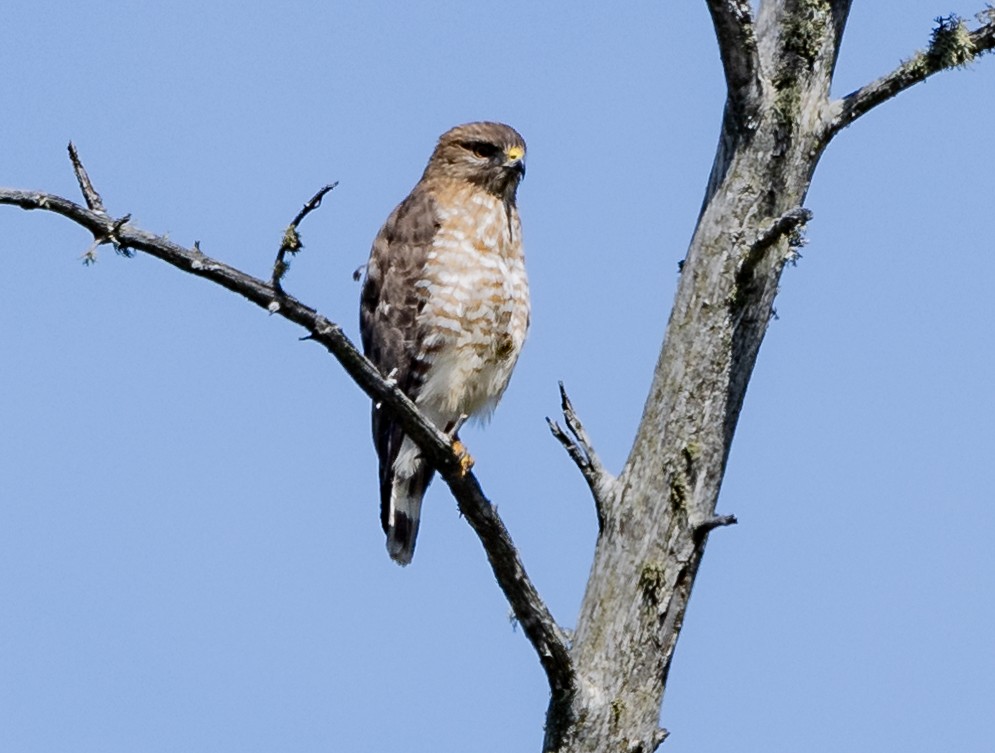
[[607, 685], [659, 511]]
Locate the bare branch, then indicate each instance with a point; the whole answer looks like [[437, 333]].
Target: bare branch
[[714, 522], [292, 240], [578, 445], [951, 45], [90, 195], [733, 23], [532, 613], [786, 224]]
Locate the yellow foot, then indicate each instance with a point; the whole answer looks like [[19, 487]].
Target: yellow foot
[[465, 459]]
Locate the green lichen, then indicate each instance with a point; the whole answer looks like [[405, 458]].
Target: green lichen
[[950, 44], [787, 102], [804, 28], [803, 36], [617, 709], [651, 581], [690, 455], [678, 492], [291, 240], [280, 269], [917, 66], [692, 451]]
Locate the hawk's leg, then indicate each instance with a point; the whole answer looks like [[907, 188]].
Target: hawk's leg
[[465, 459]]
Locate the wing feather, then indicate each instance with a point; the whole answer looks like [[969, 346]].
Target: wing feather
[[389, 308]]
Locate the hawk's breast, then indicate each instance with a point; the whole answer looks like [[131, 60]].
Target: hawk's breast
[[474, 304]]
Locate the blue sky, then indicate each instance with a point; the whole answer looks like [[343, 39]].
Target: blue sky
[[190, 552]]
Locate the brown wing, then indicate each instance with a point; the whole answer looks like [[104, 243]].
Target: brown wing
[[389, 306]]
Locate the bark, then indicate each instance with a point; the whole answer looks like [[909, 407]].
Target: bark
[[778, 120], [607, 685]]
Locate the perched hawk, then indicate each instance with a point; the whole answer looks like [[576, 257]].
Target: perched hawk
[[445, 304]]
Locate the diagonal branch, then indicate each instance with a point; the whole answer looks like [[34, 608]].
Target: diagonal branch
[[578, 445], [90, 195], [537, 622], [733, 24], [951, 45]]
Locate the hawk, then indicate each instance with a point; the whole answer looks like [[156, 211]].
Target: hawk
[[445, 305]]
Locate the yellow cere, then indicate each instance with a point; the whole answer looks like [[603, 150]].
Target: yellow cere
[[515, 152]]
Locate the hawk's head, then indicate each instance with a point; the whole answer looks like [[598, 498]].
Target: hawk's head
[[491, 155]]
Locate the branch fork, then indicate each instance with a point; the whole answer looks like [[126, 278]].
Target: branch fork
[[577, 443]]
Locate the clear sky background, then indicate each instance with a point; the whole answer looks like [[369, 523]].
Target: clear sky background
[[190, 552]]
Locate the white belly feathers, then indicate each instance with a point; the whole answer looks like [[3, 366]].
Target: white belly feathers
[[476, 309]]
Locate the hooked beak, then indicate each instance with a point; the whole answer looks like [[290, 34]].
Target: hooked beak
[[515, 161]]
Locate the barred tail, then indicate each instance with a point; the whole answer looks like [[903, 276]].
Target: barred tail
[[402, 512], [402, 524]]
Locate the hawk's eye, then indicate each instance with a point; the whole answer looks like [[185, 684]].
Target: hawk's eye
[[482, 149]]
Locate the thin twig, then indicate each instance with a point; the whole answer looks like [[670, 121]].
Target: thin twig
[[538, 624], [581, 450], [90, 195], [733, 22], [951, 45], [291, 241]]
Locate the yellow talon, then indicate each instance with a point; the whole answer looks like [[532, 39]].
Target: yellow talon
[[465, 459]]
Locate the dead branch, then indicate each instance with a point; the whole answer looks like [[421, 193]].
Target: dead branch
[[580, 449], [733, 22], [951, 45], [90, 195], [291, 242], [716, 521], [786, 224], [537, 622]]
